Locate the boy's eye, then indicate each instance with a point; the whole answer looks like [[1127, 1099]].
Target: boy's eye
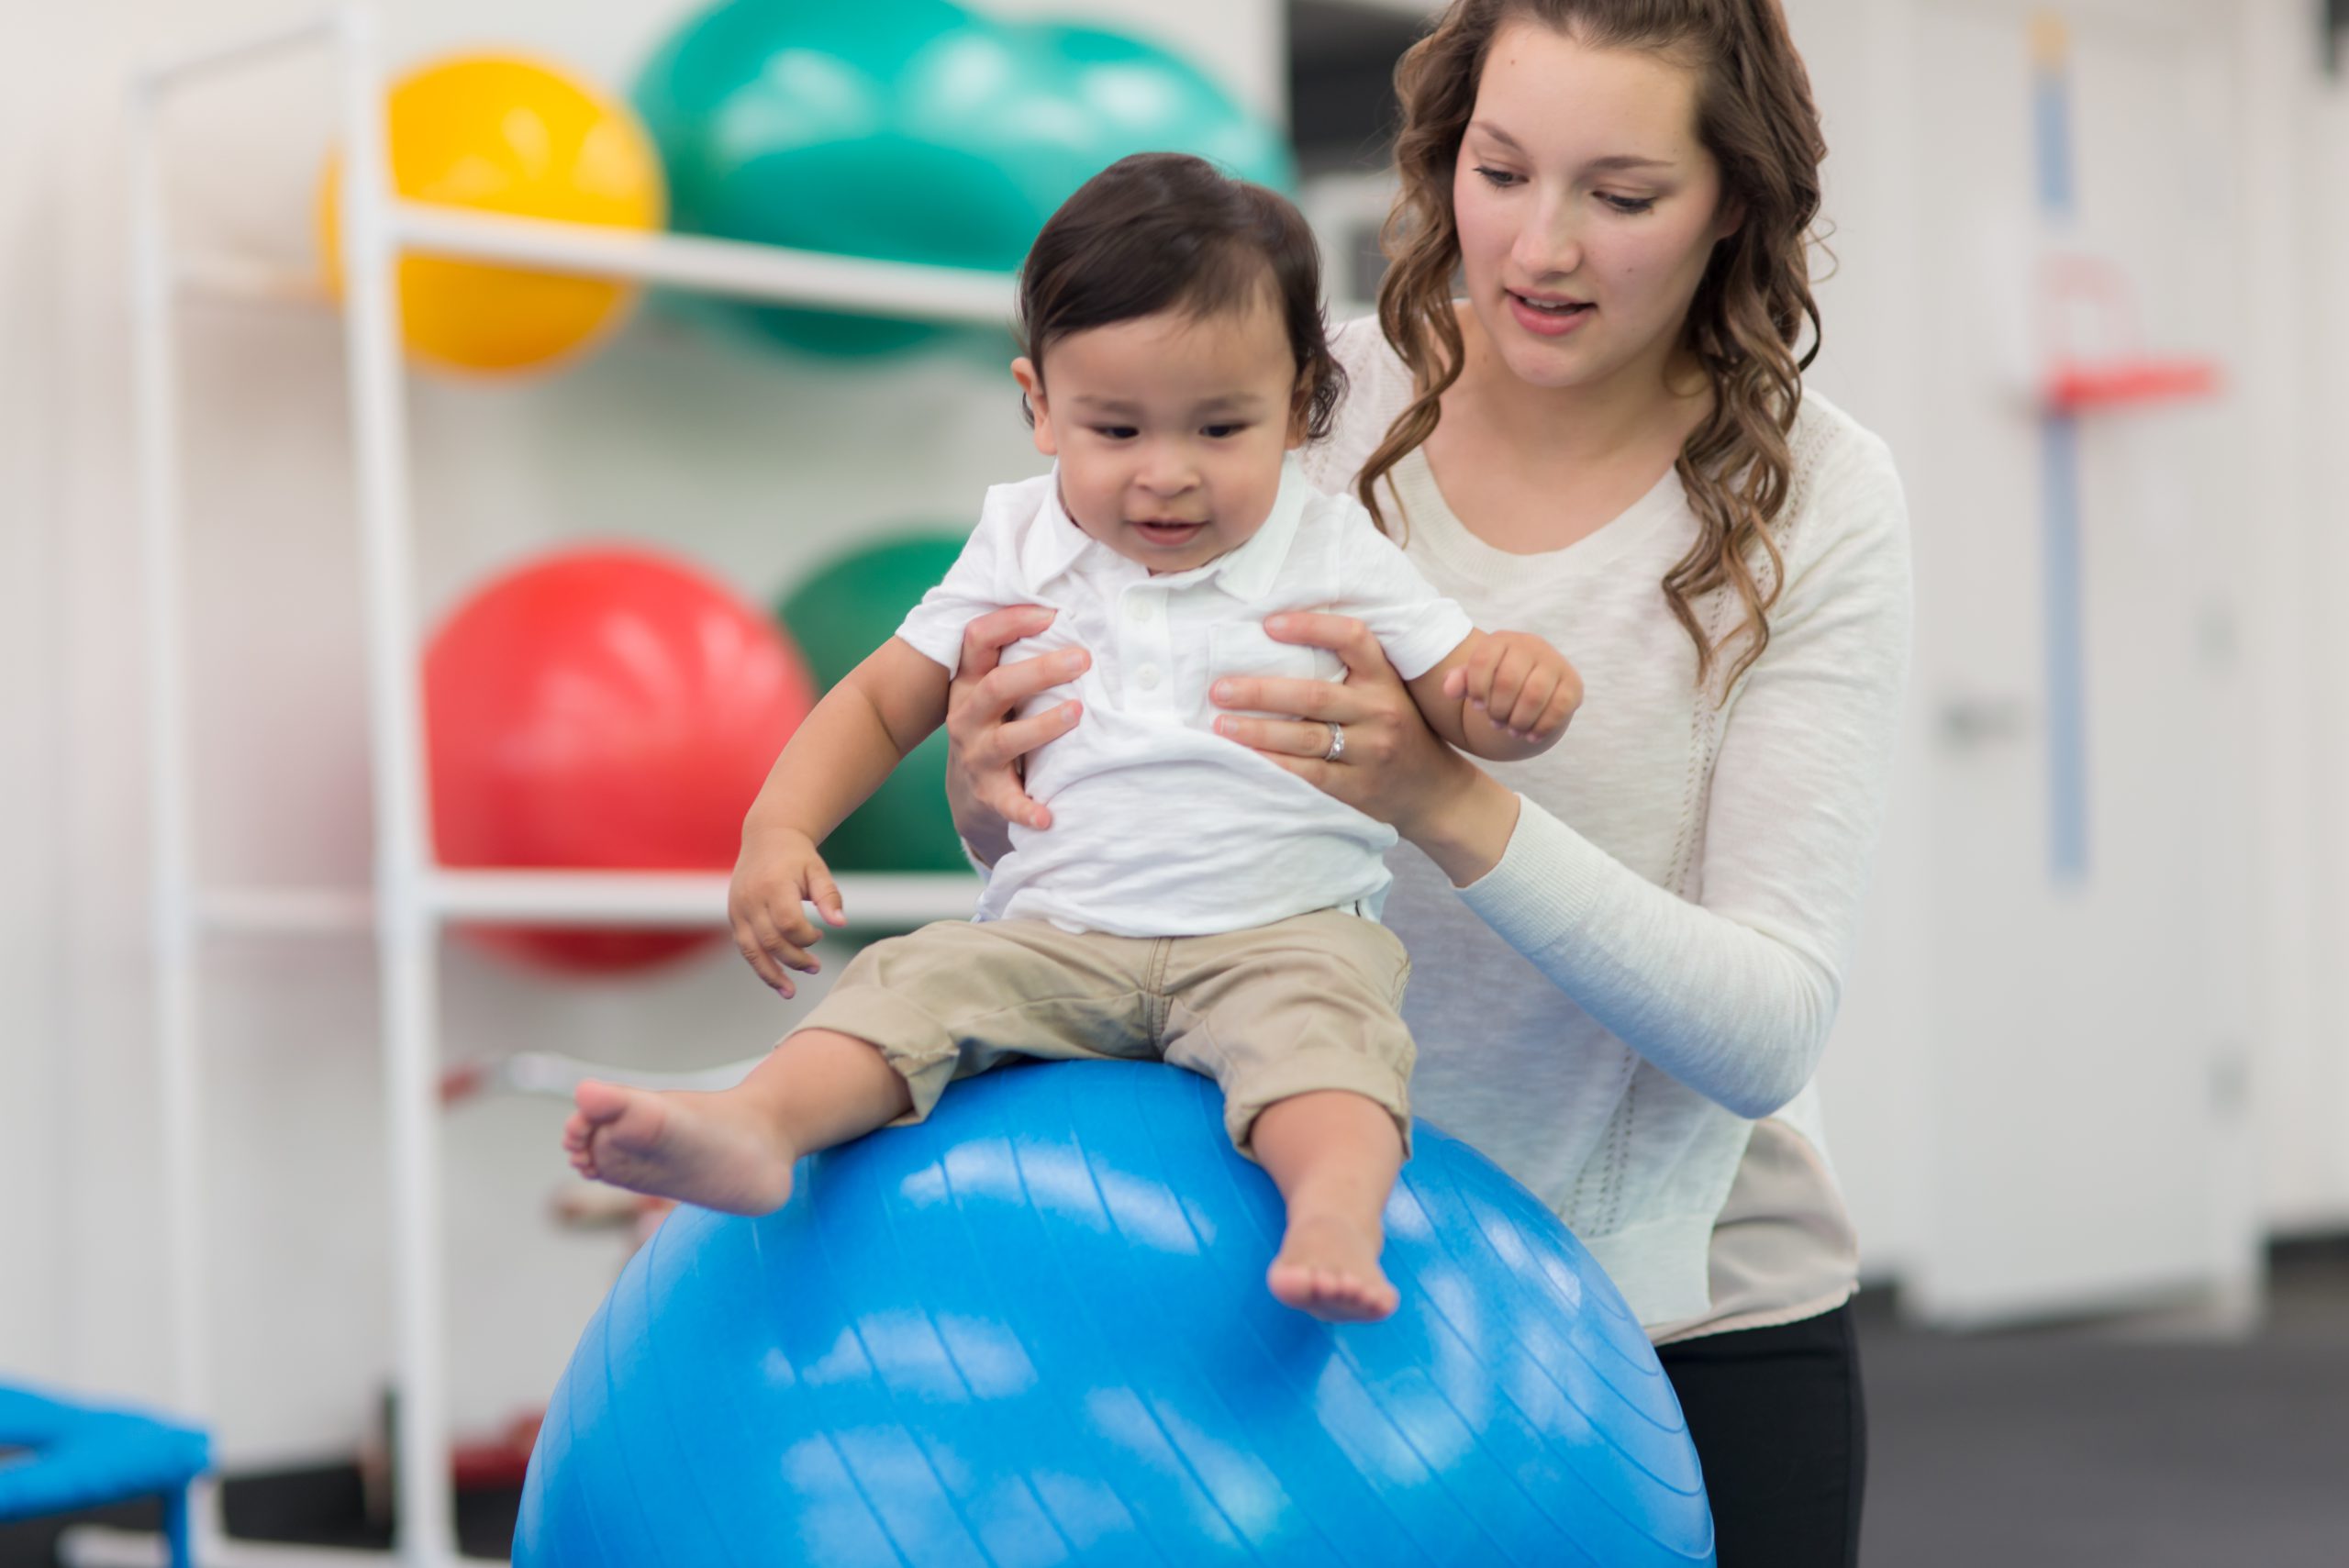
[[1498, 177], [1115, 433]]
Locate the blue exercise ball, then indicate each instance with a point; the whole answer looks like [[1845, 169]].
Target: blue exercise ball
[[1034, 1330]]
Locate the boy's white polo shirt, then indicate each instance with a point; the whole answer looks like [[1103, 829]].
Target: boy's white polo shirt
[[1159, 825]]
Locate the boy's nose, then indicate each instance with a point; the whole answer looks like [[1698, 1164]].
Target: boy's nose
[[1166, 475]]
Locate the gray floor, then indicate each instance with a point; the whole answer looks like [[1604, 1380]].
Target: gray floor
[[2083, 1448]]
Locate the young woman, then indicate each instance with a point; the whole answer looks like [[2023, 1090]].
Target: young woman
[[1628, 950]]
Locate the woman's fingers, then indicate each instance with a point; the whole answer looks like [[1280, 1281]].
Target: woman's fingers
[[996, 757], [1349, 639], [984, 639], [1016, 737], [1005, 687], [1008, 801], [1286, 735], [1325, 700], [1004, 749]]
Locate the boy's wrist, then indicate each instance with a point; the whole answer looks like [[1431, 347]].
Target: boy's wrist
[[766, 833]]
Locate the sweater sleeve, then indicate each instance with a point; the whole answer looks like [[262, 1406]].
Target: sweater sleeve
[[1734, 994]]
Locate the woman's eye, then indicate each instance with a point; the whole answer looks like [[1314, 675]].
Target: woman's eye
[[1629, 204], [1497, 177]]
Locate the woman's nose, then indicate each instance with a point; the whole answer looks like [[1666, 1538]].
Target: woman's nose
[[1549, 245]]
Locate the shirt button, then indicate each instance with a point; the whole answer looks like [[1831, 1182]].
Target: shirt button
[[1141, 606], [1147, 677]]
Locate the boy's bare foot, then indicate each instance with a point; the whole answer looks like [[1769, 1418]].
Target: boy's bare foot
[[1329, 1267], [720, 1150]]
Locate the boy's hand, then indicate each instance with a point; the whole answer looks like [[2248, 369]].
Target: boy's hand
[[776, 875], [1520, 684]]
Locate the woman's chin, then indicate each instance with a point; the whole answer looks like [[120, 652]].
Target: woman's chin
[[1549, 366]]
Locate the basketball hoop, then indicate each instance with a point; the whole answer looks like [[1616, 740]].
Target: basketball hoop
[[2093, 352]]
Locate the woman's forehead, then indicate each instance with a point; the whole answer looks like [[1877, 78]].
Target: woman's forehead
[[1553, 97]]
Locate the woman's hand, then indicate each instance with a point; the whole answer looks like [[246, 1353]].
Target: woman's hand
[[986, 782], [1392, 766]]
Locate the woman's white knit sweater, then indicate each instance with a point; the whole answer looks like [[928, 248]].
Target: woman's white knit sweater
[[1658, 956]]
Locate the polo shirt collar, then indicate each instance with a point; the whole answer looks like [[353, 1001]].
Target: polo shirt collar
[[1056, 543]]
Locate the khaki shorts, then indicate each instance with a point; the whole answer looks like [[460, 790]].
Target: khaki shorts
[[1303, 1003]]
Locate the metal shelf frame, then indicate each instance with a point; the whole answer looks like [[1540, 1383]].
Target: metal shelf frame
[[412, 898]]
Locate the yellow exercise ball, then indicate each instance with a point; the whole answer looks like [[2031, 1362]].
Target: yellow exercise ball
[[506, 134]]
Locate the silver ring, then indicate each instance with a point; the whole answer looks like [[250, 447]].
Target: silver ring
[[1337, 743]]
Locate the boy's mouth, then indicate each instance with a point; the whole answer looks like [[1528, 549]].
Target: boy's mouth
[[1167, 532]]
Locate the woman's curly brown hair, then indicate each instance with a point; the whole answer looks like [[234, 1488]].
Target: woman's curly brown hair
[[1756, 117]]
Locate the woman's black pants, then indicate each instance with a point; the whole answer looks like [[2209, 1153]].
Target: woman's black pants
[[1781, 1429]]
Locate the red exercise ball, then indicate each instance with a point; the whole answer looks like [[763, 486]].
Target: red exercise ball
[[607, 709]]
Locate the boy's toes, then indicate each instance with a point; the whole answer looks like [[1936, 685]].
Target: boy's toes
[[598, 1103]]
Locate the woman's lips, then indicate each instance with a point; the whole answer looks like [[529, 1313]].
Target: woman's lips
[[1552, 323]]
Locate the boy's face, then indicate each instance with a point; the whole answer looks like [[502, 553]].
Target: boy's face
[[1170, 430]]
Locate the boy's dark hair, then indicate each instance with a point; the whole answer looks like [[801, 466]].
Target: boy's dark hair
[[1160, 231]]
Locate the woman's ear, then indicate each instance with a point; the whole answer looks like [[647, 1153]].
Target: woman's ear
[[1729, 220], [1031, 390]]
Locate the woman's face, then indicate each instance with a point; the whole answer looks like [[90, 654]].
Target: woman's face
[[1586, 207]]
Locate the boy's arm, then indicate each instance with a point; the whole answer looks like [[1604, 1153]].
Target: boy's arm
[[845, 750], [1500, 695], [1489, 685]]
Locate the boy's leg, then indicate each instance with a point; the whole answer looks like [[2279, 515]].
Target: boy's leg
[[1297, 1020], [733, 1151], [907, 1014], [1334, 1154]]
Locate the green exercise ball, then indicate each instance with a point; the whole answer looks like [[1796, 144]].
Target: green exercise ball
[[848, 607], [1052, 105], [777, 124], [918, 132]]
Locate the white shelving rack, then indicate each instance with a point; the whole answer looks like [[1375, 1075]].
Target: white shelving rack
[[412, 898]]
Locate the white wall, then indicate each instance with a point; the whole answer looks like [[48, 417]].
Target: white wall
[[2262, 214], [750, 463], [1877, 1070], [31, 772], [2304, 1093]]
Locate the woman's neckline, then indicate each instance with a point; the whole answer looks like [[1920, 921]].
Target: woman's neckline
[[1426, 512]]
